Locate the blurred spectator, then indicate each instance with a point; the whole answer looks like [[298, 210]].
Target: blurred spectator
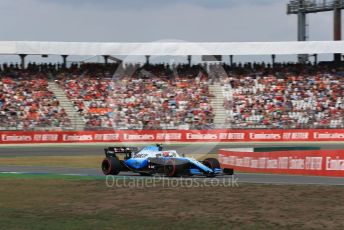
[[150, 97], [26, 103], [284, 97]]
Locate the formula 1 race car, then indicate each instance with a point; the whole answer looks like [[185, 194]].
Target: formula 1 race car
[[154, 160]]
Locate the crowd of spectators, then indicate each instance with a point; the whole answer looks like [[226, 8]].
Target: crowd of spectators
[[286, 96], [27, 103], [160, 96], [136, 97]]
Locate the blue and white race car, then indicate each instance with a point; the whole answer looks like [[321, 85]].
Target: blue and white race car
[[154, 160]]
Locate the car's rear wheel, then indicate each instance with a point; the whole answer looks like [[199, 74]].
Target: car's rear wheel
[[111, 166], [171, 168]]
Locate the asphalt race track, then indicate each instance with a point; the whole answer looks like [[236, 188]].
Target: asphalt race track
[[94, 149], [241, 177], [70, 150]]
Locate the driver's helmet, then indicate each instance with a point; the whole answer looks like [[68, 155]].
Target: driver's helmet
[[165, 154]]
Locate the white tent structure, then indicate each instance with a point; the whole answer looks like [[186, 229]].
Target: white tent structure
[[65, 49], [170, 48]]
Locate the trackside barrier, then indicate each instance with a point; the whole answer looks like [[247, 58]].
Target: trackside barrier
[[12, 137], [306, 162]]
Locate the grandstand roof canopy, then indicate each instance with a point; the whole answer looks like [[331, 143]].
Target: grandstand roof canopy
[[170, 48]]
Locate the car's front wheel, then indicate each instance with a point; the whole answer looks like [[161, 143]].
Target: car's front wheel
[[211, 163]]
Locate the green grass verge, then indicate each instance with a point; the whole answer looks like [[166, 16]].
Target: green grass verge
[[89, 161], [71, 202], [48, 176]]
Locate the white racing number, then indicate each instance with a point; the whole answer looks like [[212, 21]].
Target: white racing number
[[141, 155], [145, 154]]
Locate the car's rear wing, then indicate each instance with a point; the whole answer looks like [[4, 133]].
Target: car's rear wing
[[113, 151]]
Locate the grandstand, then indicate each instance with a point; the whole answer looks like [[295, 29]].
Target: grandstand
[[161, 96]]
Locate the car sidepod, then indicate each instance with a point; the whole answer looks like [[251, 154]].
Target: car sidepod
[[137, 163]]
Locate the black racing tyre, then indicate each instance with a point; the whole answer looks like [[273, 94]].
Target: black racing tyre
[[170, 168], [173, 167], [212, 163], [111, 166]]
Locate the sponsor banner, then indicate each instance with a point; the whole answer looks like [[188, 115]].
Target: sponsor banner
[[306, 162], [172, 136]]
